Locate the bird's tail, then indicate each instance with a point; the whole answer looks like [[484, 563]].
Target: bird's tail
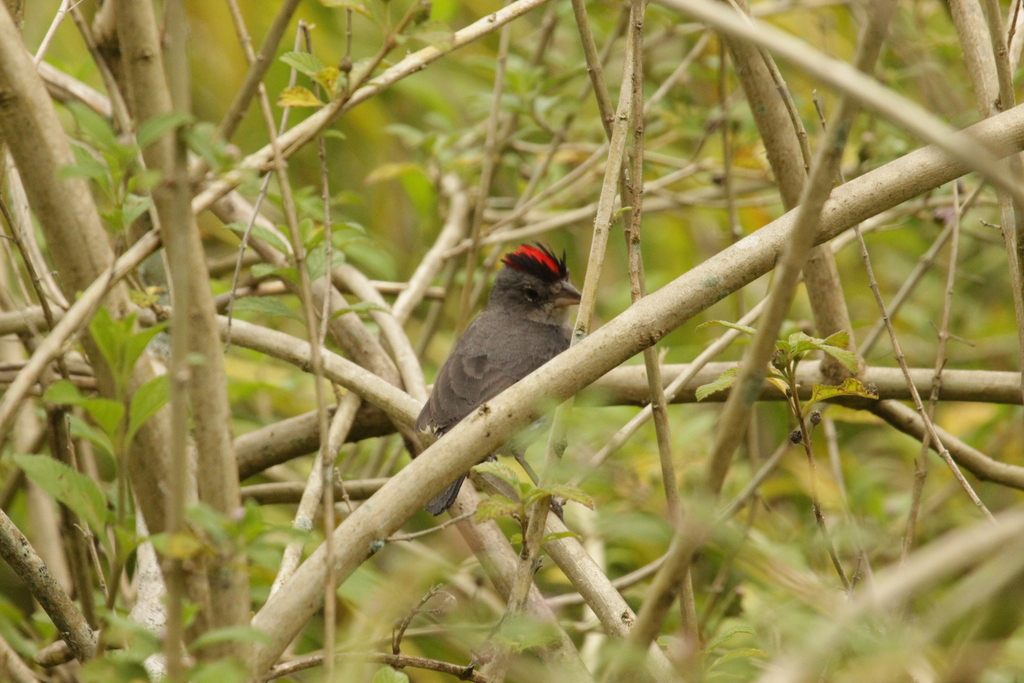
[[444, 500]]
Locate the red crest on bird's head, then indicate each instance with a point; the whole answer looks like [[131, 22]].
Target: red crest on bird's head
[[538, 261]]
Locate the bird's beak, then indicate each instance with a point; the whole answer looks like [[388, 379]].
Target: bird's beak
[[567, 295]]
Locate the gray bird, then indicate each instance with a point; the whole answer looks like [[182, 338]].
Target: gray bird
[[525, 324]]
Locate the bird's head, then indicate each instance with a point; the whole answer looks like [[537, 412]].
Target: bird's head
[[534, 283]]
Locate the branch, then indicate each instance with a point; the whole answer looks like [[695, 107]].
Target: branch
[[393, 401], [71, 625], [257, 69], [303, 132], [909, 421], [156, 93], [866, 90], [12, 666], [800, 241], [947, 557], [394, 661], [291, 491], [643, 324], [78, 244]]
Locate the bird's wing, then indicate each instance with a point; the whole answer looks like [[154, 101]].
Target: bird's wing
[[484, 364]]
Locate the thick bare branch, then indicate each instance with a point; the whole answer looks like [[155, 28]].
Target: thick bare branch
[[643, 324], [72, 626]]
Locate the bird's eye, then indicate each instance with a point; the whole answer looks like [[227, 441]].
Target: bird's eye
[[531, 294]]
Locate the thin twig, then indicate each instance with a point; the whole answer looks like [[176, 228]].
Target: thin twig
[[397, 661], [303, 132], [71, 324], [921, 463], [258, 64], [815, 192], [901, 359], [491, 154]]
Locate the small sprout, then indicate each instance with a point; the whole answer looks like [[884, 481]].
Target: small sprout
[[796, 436], [376, 546], [815, 418]]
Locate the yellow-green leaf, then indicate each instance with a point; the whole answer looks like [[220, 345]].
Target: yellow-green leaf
[[851, 387], [72, 488], [503, 472], [724, 381], [494, 507], [390, 172], [298, 97]]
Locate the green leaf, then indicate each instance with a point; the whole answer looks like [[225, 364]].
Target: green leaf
[[119, 344], [158, 126], [732, 326], [390, 171], [847, 358], [143, 641], [266, 305], [262, 232], [727, 635], [108, 333], [263, 270], [850, 387], [106, 413], [218, 671], [522, 632], [316, 258], [86, 166], [148, 399], [80, 429], [63, 392], [148, 298], [493, 507], [840, 339], [724, 381], [94, 127], [306, 229], [298, 96], [303, 62], [741, 653], [799, 344], [496, 469], [389, 675], [75, 490], [181, 546], [134, 206], [313, 235], [229, 634], [137, 342], [203, 138], [559, 536], [144, 181], [330, 78], [573, 493]]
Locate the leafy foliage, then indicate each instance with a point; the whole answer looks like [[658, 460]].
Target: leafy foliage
[[764, 587]]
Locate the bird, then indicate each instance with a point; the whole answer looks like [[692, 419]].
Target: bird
[[524, 325]]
